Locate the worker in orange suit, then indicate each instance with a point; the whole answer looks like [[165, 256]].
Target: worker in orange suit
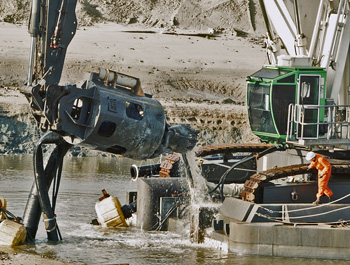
[[324, 169]]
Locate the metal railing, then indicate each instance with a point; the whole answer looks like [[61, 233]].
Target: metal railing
[[327, 122]]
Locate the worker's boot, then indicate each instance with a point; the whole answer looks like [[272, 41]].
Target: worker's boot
[[317, 202]]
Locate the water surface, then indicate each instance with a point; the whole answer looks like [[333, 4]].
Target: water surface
[[81, 185]]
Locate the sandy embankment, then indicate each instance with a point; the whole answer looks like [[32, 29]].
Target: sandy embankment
[[199, 81]]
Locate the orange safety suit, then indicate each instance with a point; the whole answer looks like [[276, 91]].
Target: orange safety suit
[[324, 172]]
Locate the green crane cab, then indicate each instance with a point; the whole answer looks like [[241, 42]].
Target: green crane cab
[[272, 96]]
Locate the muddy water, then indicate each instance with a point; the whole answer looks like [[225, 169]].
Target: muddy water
[[82, 181]]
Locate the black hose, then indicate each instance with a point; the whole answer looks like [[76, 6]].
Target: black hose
[[223, 177], [8, 214], [63, 148], [57, 180], [42, 177], [168, 213], [44, 200], [141, 171], [259, 155], [32, 213]]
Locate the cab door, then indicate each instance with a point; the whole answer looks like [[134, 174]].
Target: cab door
[[308, 112]]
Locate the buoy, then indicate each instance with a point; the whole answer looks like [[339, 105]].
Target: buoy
[[12, 233], [109, 211]]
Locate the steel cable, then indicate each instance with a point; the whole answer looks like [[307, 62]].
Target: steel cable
[[308, 208]]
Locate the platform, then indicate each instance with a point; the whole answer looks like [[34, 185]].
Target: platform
[[276, 239]]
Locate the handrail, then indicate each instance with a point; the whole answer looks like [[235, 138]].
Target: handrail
[[335, 123]]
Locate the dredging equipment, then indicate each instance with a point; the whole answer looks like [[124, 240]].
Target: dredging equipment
[[109, 113]]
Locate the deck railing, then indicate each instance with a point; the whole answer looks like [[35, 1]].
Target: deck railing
[[308, 122]]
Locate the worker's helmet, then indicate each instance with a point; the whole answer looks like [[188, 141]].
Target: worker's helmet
[[310, 156]]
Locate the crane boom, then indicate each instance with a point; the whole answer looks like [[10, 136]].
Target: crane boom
[[52, 26]]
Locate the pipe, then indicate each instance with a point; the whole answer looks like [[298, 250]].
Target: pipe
[[34, 18], [33, 31], [297, 17], [31, 60], [142, 171]]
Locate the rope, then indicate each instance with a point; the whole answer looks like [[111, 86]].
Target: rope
[[308, 208], [318, 214], [301, 223], [279, 219]]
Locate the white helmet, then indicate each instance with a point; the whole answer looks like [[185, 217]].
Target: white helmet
[[310, 155]]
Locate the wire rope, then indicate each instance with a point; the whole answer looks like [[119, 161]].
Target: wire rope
[[308, 208]]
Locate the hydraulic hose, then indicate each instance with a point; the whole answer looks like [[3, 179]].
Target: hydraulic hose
[[32, 213], [40, 180], [39, 199], [255, 156]]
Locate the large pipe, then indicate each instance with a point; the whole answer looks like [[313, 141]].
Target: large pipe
[[142, 171], [152, 171]]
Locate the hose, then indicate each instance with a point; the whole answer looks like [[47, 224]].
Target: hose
[[32, 213], [257, 156], [8, 214], [42, 180], [168, 213]]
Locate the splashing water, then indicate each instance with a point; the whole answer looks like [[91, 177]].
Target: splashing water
[[200, 201]]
